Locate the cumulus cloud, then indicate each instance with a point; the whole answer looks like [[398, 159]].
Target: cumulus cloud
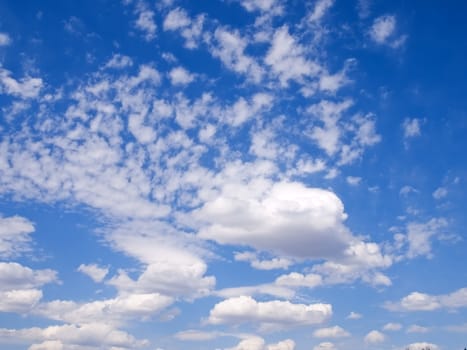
[[325, 346], [312, 217], [180, 76], [258, 343], [15, 234], [421, 346], [26, 88], [5, 39], [268, 314], [374, 337], [354, 316], [287, 59], [94, 271], [145, 23], [392, 327], [411, 127], [119, 61], [440, 193], [415, 328], [88, 336], [190, 29], [383, 31], [417, 301], [262, 264], [331, 332]]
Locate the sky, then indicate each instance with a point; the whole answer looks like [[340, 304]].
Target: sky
[[233, 175]]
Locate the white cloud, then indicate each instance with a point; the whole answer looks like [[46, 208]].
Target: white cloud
[[411, 127], [421, 346], [331, 332], [191, 30], [195, 335], [258, 217], [87, 336], [119, 61], [417, 329], [146, 24], [230, 48], [353, 180], [262, 264], [392, 327], [269, 314], [440, 193], [26, 87], [19, 300], [5, 39], [419, 236], [325, 346], [320, 9], [14, 235], [354, 316], [14, 276], [383, 28], [180, 76], [374, 337], [417, 301], [95, 272], [406, 190], [383, 32], [258, 343], [295, 279], [287, 59]]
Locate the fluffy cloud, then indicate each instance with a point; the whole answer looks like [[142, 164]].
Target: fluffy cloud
[[25, 88], [180, 76], [383, 32], [14, 235], [74, 337], [411, 128], [146, 24], [313, 219], [325, 346], [374, 337], [269, 314], [392, 327], [96, 273], [287, 58], [417, 301], [19, 300], [257, 343], [417, 329], [262, 264], [5, 39], [331, 332], [190, 29], [421, 346]]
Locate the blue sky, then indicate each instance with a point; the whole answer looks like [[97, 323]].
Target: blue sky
[[232, 175]]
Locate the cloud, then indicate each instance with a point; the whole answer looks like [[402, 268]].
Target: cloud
[[14, 276], [119, 62], [320, 9], [190, 29], [195, 335], [353, 180], [440, 193], [411, 128], [421, 346], [354, 316], [230, 48], [146, 24], [268, 314], [374, 337], [258, 343], [89, 336], [180, 76], [14, 235], [419, 236], [312, 217], [296, 279], [287, 60], [325, 346], [417, 329], [392, 327], [331, 332], [383, 32], [417, 301], [26, 88], [19, 300], [5, 39], [262, 264], [96, 273]]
